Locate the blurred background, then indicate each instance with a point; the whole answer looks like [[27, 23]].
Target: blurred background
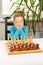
[[33, 14]]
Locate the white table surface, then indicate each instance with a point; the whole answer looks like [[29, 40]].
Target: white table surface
[[24, 59]]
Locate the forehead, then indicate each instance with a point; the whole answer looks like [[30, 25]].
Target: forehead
[[20, 18]]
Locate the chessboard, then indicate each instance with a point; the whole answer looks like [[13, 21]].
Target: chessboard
[[22, 47]]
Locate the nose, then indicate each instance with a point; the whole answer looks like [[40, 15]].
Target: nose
[[19, 23]]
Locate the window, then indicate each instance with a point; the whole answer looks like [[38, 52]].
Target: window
[[6, 4], [5, 7]]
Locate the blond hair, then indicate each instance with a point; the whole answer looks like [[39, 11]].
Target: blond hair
[[18, 14]]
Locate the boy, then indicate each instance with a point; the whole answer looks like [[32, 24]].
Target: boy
[[18, 30]]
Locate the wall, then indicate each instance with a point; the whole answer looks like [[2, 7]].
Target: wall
[[2, 30], [0, 7]]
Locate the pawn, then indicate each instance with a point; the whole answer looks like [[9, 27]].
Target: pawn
[[21, 40], [9, 40], [25, 39], [14, 41], [21, 37], [30, 40]]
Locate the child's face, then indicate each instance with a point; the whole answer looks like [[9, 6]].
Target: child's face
[[19, 22]]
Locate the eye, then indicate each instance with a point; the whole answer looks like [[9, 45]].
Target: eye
[[17, 22], [21, 21]]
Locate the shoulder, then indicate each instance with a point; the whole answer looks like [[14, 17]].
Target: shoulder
[[12, 28]]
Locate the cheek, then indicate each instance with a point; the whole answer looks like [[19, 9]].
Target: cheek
[[15, 23]]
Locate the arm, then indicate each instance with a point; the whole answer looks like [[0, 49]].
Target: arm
[[24, 32], [14, 34]]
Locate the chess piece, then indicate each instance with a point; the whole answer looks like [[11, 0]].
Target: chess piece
[[25, 40], [21, 41], [30, 40], [14, 41], [9, 40]]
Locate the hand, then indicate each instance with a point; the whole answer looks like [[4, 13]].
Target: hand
[[17, 27], [20, 27]]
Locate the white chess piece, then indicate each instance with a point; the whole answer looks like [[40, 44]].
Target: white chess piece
[[30, 39], [25, 39], [9, 41], [14, 41]]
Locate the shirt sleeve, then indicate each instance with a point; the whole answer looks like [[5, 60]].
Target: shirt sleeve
[[14, 34], [24, 33]]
